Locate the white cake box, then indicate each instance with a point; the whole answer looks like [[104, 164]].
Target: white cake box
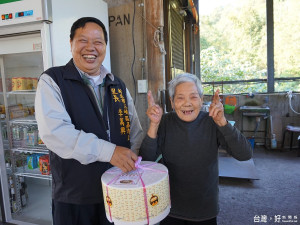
[[138, 197]]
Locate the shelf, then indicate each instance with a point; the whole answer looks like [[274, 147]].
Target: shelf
[[37, 176], [25, 120], [33, 173], [5, 144], [21, 92], [32, 149], [8, 171]]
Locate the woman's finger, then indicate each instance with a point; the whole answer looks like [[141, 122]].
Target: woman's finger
[[150, 99], [216, 97]]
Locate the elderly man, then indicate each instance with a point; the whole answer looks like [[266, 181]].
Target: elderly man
[[86, 117]]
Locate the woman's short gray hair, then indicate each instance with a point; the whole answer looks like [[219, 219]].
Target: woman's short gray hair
[[182, 78]]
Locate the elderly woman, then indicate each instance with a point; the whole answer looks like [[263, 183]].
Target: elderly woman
[[188, 140]]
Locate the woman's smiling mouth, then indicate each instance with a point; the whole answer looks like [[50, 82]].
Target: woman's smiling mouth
[[187, 112]]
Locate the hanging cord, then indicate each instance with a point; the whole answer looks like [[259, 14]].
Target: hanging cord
[[157, 33], [133, 61], [290, 95], [156, 42]]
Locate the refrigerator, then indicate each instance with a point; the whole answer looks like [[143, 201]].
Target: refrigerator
[[34, 35]]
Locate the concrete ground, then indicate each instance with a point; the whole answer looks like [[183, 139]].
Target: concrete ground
[[273, 199]]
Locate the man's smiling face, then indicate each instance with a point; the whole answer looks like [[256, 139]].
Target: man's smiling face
[[89, 48]]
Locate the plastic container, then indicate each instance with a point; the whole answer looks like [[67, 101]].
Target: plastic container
[[273, 142], [229, 109], [252, 142]]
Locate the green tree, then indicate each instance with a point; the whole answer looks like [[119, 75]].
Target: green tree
[[233, 44]]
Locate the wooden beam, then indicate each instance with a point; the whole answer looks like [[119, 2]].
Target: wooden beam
[[155, 58]]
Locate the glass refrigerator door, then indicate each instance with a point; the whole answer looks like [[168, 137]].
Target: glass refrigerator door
[[27, 174], [2, 213]]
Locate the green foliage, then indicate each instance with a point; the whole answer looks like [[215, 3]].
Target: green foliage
[[233, 45]]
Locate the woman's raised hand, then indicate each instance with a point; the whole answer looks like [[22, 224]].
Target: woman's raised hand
[[216, 110], [154, 111]]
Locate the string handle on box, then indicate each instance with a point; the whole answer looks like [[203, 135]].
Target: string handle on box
[[138, 166]]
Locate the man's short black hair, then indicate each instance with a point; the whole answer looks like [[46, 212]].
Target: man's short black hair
[[81, 23]]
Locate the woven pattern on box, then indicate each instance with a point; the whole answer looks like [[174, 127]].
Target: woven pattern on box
[[127, 203]]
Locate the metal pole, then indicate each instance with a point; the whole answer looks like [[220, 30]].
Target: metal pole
[[197, 45], [270, 45]]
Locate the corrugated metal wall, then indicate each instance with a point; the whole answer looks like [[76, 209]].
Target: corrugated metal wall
[[177, 38]]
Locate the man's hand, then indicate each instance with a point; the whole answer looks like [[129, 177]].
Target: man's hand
[[216, 110], [123, 158]]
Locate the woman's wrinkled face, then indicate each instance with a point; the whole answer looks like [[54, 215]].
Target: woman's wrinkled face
[[187, 102]]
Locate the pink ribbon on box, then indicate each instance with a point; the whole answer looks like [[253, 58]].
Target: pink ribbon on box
[[138, 166]]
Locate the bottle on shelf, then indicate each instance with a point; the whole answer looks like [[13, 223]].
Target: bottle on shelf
[[13, 203], [16, 135], [2, 111], [11, 182], [32, 136], [24, 135], [20, 159], [24, 132], [15, 132], [10, 197], [7, 161], [4, 132], [23, 191]]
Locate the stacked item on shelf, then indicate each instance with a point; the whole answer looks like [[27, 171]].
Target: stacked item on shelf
[[12, 195], [8, 84], [7, 160], [44, 164], [15, 185], [25, 135], [32, 161], [40, 161], [19, 159], [20, 111], [17, 111], [40, 141], [31, 138], [23, 83], [23, 191], [21, 188], [2, 111]]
